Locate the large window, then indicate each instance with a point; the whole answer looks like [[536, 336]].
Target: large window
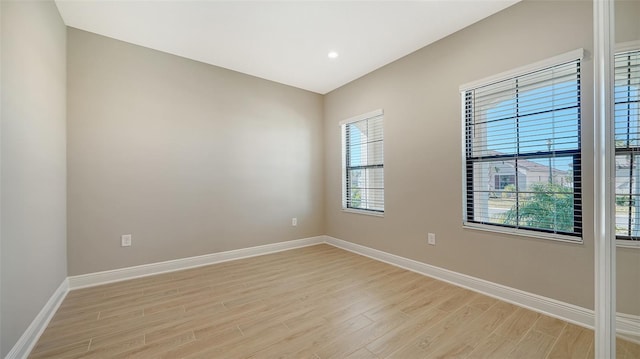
[[522, 152], [627, 142], [363, 163]]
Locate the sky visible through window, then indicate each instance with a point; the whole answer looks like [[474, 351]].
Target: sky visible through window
[[626, 125], [539, 125], [355, 151]]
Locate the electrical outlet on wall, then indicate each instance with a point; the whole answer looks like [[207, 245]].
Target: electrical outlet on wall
[[431, 239], [294, 221], [125, 240]]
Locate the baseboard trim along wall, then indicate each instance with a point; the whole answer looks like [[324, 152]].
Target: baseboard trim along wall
[[117, 275], [30, 337], [628, 326]]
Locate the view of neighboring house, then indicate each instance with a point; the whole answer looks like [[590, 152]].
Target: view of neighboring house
[[627, 205], [623, 175], [503, 174]]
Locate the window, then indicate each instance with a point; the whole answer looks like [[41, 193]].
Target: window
[[627, 143], [503, 181], [522, 151], [363, 163]]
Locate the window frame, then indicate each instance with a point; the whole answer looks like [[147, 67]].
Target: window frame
[[626, 47], [344, 153], [574, 55]]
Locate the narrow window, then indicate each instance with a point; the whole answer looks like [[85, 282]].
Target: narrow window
[[627, 143], [522, 153], [363, 163]]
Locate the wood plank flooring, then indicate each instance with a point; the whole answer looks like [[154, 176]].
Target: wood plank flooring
[[312, 302]]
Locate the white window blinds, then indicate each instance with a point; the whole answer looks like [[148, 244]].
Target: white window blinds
[[363, 163], [627, 143], [522, 151]]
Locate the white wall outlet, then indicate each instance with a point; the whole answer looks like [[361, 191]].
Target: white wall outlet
[[431, 239], [125, 240], [294, 221]]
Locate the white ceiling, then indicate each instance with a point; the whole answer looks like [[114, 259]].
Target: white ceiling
[[282, 41]]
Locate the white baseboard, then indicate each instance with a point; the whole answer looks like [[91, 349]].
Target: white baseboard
[[30, 337], [626, 325], [629, 326], [117, 275]]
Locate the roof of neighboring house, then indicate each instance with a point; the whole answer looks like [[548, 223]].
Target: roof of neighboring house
[[623, 162], [531, 166]]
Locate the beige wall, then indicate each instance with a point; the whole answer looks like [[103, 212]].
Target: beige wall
[[33, 215], [627, 26], [423, 141], [189, 158]]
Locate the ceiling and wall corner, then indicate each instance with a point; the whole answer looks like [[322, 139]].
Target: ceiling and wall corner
[[282, 41]]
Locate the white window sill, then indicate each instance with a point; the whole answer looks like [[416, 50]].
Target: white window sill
[[362, 211], [524, 233], [627, 244]]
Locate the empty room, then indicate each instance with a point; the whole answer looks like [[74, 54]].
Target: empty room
[[320, 179]]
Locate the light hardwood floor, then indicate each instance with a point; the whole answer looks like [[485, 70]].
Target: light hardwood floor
[[313, 302]]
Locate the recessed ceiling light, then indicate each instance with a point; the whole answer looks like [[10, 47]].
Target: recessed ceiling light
[[332, 54]]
